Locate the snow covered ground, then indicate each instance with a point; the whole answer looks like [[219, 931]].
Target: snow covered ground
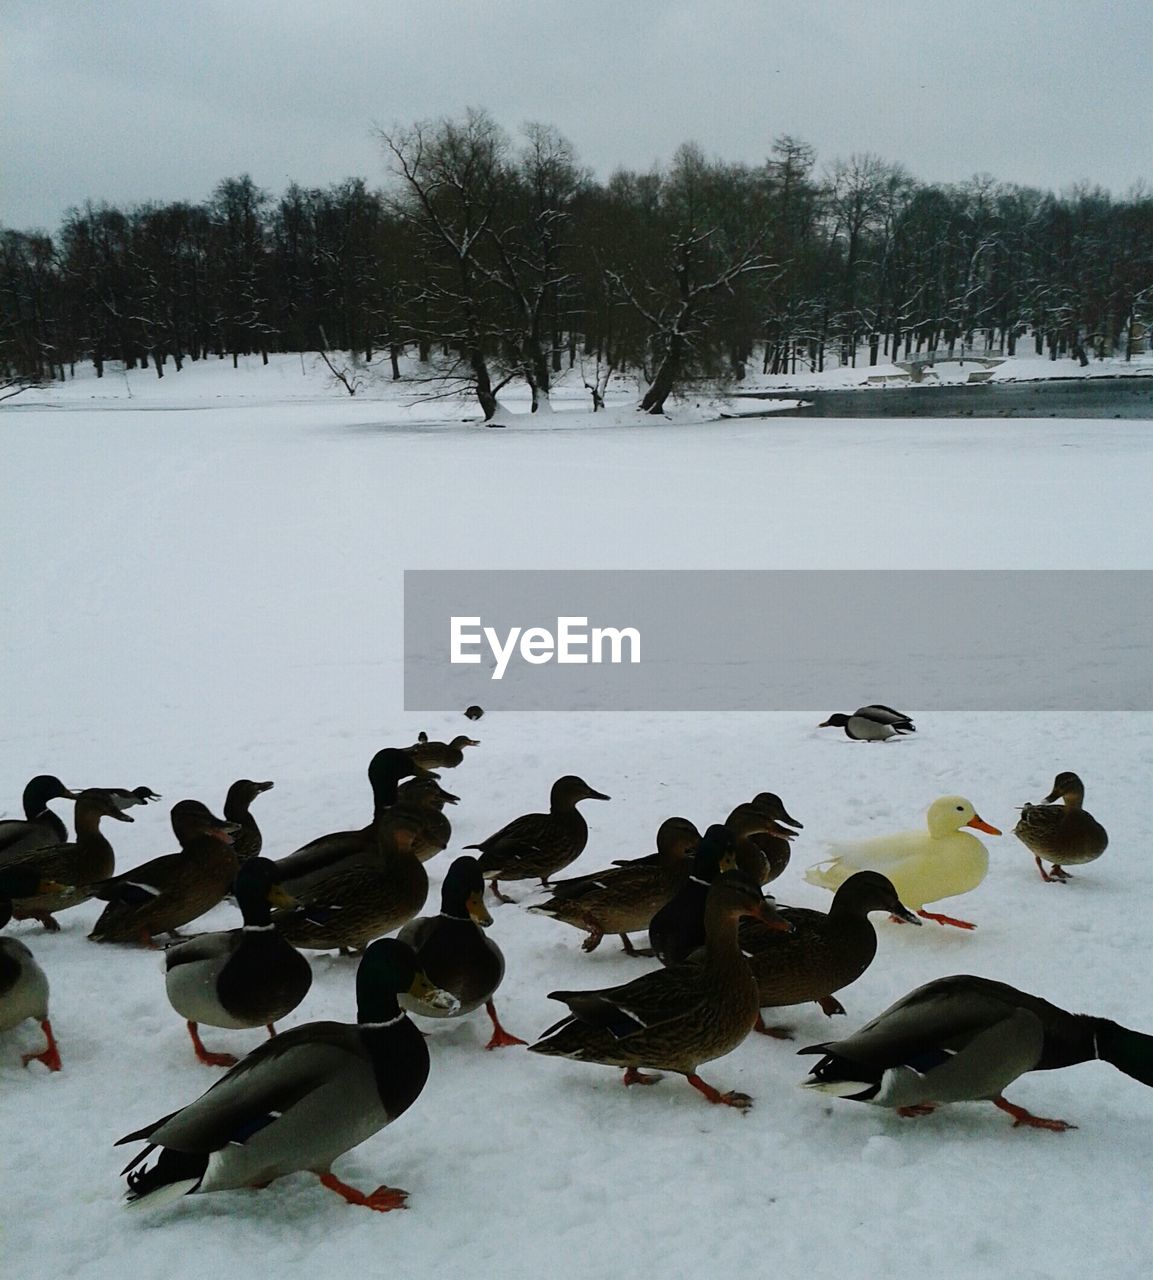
[[213, 593]]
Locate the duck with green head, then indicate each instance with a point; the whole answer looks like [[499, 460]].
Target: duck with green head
[[23, 985], [966, 1039], [246, 977], [455, 953], [40, 827], [298, 1102]]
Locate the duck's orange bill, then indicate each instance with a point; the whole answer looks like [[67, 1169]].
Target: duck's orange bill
[[982, 825]]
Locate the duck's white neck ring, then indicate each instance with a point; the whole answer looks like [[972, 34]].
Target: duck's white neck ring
[[446, 915], [698, 880], [258, 928], [391, 1022]]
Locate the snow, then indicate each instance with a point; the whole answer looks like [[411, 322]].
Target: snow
[[213, 593]]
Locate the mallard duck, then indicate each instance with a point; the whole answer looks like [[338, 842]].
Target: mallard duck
[[299, 1101], [966, 1039], [247, 977], [385, 770], [74, 867], [161, 895], [678, 928], [823, 953], [1061, 833], [924, 866], [359, 897], [774, 843], [247, 842], [474, 712], [875, 723], [41, 827], [127, 798], [753, 827], [539, 844], [420, 804], [673, 1018], [23, 986], [439, 755], [625, 898], [453, 952]]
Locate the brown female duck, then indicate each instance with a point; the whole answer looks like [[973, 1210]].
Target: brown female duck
[[161, 895], [317, 858], [247, 842], [359, 897], [75, 866], [758, 835], [1062, 834], [672, 1019], [678, 928], [538, 845], [823, 953], [420, 804], [624, 899], [440, 755]]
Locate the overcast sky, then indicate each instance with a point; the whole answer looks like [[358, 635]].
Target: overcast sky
[[134, 100]]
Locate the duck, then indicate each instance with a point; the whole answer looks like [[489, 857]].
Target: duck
[[474, 712], [539, 844], [924, 866], [678, 928], [129, 798], [874, 723], [439, 755], [966, 1039], [672, 1019], [75, 866], [317, 857], [624, 899], [1061, 834], [774, 843], [824, 952], [23, 985], [299, 1101], [420, 802], [246, 977], [40, 827], [757, 836], [454, 953], [360, 897], [247, 841], [161, 895]]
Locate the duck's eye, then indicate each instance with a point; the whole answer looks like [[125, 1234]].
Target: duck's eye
[[960, 808]]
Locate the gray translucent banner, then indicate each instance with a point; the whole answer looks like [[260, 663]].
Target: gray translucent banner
[[738, 640]]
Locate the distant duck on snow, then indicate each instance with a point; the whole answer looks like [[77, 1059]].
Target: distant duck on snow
[[874, 723]]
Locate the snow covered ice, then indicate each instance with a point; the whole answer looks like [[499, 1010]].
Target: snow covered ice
[[203, 582]]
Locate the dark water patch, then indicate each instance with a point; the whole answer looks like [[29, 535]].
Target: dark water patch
[[1125, 397]]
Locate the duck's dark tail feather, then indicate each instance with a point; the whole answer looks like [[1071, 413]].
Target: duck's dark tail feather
[[175, 1173]]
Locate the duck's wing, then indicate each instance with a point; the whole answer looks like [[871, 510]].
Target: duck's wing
[[204, 947], [527, 833], [258, 1091], [880, 714], [652, 1000], [942, 1016], [1039, 824], [19, 836], [142, 883]]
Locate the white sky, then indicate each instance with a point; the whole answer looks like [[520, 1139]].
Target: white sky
[[128, 100]]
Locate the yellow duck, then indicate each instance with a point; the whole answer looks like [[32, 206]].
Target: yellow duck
[[924, 866]]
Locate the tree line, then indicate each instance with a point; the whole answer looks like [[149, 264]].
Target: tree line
[[492, 258]]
